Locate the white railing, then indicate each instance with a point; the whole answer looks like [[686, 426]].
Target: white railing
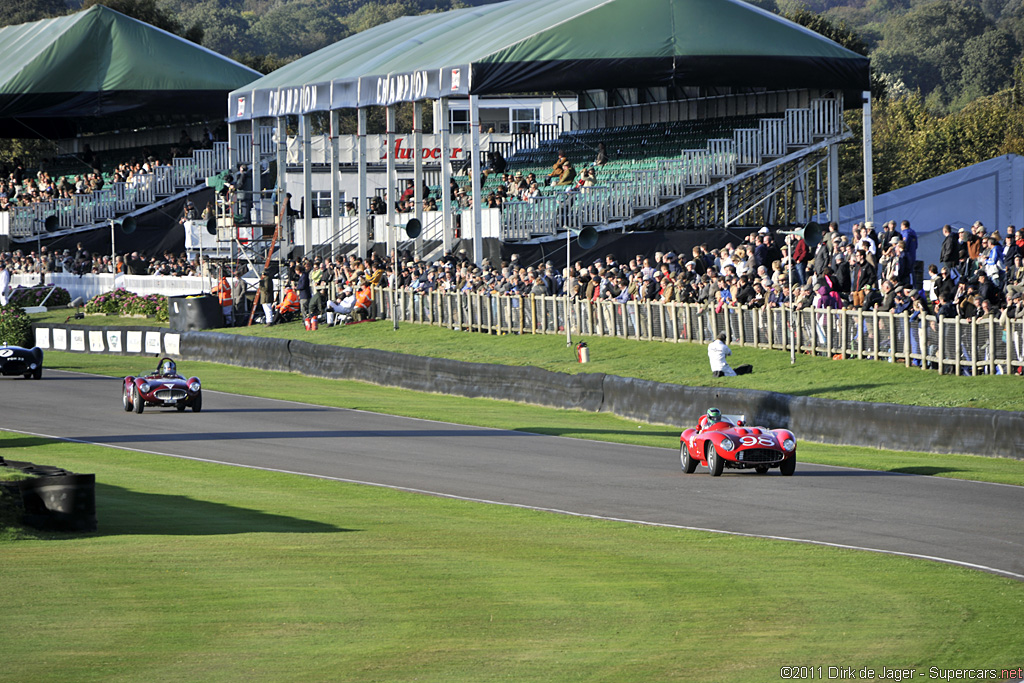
[[827, 116], [221, 154], [163, 183], [748, 146], [185, 174], [243, 148], [773, 137], [723, 157], [265, 140], [799, 130]]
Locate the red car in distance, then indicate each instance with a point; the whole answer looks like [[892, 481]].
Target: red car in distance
[[721, 441], [162, 387]]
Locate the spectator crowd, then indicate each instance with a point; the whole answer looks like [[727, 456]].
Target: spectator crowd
[[980, 274]]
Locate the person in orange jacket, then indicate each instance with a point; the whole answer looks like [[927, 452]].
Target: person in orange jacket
[[289, 302], [364, 302], [222, 290]]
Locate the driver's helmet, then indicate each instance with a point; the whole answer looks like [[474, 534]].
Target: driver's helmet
[[167, 367], [714, 415]]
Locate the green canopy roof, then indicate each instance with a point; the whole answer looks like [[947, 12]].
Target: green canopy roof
[[102, 65], [528, 45]]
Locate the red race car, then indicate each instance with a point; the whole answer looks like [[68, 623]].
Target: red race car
[[721, 441], [163, 387]]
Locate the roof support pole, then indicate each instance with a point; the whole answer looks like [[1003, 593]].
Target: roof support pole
[[305, 124], [833, 182], [232, 147], [362, 208], [417, 168], [869, 183], [446, 172], [254, 168], [475, 182], [800, 193], [335, 189], [282, 185], [392, 181]]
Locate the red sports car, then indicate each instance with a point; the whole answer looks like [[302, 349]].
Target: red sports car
[[163, 387], [721, 441]]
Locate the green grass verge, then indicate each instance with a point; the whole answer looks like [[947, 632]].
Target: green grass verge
[[520, 417], [213, 573], [683, 363]]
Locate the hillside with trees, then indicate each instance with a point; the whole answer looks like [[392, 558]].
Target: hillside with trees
[[947, 76]]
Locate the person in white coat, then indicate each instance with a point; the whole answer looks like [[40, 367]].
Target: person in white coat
[[5, 282], [718, 351]]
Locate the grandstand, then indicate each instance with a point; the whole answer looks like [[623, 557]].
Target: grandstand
[[707, 135], [730, 121]]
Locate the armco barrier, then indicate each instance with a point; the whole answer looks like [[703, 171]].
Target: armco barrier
[[875, 425]]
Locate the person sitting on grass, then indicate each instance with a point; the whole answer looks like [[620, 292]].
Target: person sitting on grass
[[717, 352]]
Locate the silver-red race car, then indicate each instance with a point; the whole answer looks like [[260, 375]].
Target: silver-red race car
[[163, 387], [721, 441]]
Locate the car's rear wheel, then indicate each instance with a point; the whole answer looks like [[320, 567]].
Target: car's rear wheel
[[197, 402], [689, 464], [126, 399], [714, 460], [137, 403], [761, 469], [788, 467]]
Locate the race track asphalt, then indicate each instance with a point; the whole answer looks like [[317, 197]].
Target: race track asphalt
[[967, 523]]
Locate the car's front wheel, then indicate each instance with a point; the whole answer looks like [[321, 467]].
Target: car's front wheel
[[715, 462], [197, 402], [137, 403], [689, 464], [788, 467], [126, 399]]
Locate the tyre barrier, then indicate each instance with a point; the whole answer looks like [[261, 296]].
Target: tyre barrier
[[973, 431], [55, 499]]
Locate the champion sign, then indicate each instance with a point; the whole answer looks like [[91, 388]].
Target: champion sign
[[292, 100], [402, 88]]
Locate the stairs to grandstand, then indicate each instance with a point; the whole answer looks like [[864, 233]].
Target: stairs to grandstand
[[693, 173]]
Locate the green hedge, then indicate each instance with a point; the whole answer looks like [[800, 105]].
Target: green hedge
[[15, 326]]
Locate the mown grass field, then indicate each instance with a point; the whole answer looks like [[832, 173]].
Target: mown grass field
[[212, 573]]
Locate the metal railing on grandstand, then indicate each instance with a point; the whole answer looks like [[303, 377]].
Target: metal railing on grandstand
[[948, 345]]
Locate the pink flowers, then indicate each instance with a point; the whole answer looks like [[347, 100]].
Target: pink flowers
[[123, 302]]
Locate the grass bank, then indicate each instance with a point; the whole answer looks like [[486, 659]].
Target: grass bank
[[213, 573]]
